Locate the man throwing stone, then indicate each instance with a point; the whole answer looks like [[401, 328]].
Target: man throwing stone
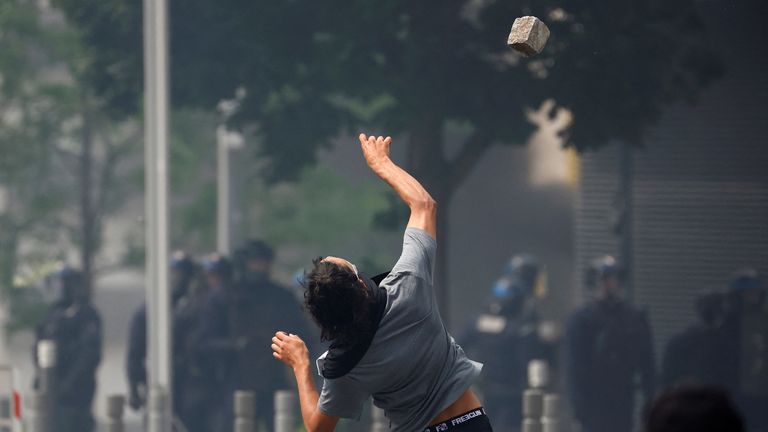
[[387, 339]]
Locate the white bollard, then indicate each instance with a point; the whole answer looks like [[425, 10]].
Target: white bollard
[[533, 398], [538, 374], [38, 418], [378, 419], [533, 404], [285, 411], [157, 408], [245, 411], [43, 402], [531, 425], [115, 409], [550, 419]]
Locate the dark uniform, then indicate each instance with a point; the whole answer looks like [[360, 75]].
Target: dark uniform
[[183, 271], [746, 355], [135, 358], [696, 354], [75, 326], [190, 377], [215, 345], [260, 307], [505, 339], [608, 350]]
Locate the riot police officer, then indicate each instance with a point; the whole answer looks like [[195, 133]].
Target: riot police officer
[[695, 355], [183, 271], [216, 344], [746, 353], [260, 307], [75, 327], [505, 339], [608, 350]]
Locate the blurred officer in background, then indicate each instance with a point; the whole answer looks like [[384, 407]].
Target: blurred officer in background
[[260, 307], [182, 275], [75, 326], [746, 338], [506, 338], [609, 349], [190, 377], [216, 344], [696, 354]]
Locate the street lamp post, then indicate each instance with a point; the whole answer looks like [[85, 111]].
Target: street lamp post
[[226, 142], [222, 192]]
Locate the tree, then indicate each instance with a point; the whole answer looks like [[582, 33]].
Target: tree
[[30, 115], [312, 69], [58, 147], [287, 215]]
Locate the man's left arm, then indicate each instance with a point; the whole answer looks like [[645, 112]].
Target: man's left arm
[[292, 351]]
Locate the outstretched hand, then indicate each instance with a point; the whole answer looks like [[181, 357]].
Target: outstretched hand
[[290, 349], [375, 149]]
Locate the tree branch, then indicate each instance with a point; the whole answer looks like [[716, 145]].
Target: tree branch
[[114, 154]]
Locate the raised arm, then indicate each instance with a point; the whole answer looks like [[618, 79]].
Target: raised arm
[[292, 351], [423, 206]]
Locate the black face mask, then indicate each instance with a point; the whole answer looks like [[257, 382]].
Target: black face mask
[[343, 356]]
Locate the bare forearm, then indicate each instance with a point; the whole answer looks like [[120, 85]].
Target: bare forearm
[[422, 205], [408, 188], [308, 395], [292, 351]]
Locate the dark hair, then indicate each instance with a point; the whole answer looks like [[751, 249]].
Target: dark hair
[[693, 408], [336, 300]]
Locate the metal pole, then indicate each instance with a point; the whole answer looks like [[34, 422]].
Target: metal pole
[[285, 411], [245, 411], [156, 207], [115, 405], [222, 192]]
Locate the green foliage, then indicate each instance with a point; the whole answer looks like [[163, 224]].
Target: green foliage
[[313, 69], [320, 207], [307, 63], [27, 308], [47, 112], [323, 213], [193, 177], [33, 107]]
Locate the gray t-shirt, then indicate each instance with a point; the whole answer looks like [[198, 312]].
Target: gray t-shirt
[[413, 368]]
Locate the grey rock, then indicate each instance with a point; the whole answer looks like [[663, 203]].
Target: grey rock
[[528, 36]]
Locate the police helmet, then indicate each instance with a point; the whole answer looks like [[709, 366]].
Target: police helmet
[[219, 265], [745, 280]]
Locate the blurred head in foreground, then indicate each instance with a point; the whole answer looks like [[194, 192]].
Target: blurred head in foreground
[[693, 408]]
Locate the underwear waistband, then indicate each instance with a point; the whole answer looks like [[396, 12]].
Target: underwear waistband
[[454, 422]]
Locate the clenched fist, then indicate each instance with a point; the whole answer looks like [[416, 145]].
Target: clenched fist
[[290, 349]]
